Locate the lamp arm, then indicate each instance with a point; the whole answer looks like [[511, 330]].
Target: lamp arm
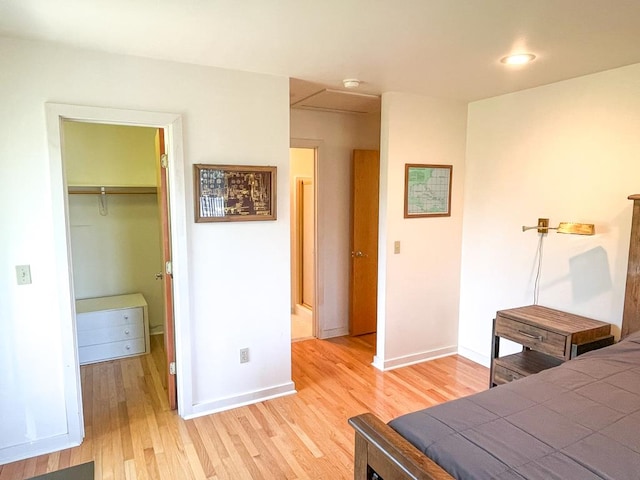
[[565, 227]]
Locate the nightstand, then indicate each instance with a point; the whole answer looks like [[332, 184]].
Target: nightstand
[[548, 337]]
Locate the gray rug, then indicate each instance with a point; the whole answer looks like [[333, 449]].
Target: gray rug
[[79, 472]]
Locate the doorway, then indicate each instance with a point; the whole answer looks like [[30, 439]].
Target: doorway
[[171, 125], [303, 234], [116, 198]]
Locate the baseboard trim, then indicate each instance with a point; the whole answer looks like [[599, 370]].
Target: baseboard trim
[[406, 360], [36, 448], [248, 398], [474, 356], [333, 332]]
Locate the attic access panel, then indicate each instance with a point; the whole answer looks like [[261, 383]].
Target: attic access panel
[[340, 101]]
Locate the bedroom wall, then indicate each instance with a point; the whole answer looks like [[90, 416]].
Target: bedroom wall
[[238, 273], [418, 292], [568, 152], [338, 134]]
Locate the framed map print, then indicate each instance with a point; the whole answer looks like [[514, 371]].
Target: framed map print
[[427, 190], [233, 193]]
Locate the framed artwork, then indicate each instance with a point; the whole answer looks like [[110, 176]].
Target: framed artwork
[[234, 193], [427, 190]]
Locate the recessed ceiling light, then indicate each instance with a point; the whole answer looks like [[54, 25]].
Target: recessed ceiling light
[[518, 59]]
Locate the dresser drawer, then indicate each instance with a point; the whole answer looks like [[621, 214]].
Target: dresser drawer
[[116, 333], [109, 318], [106, 351]]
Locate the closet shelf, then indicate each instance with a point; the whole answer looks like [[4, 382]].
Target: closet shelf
[[84, 190]]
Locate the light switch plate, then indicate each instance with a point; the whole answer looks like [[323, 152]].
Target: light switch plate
[[396, 246], [23, 274]]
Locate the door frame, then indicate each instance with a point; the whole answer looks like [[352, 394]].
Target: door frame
[[316, 312], [172, 126]]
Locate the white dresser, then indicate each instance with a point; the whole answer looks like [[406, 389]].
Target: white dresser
[[112, 327]]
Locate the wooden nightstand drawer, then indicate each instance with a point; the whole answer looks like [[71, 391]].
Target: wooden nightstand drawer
[[532, 336]]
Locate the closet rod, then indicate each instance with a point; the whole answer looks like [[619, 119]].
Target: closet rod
[[75, 190]]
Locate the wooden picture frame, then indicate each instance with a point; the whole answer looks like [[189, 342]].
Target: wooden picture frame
[[234, 193], [427, 190]]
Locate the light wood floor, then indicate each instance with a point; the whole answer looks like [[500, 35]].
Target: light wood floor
[[131, 434]]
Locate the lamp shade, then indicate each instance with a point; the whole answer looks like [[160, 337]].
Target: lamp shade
[[576, 228]]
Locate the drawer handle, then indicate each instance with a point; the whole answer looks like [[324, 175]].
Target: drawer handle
[[126, 332], [540, 338], [126, 317], [128, 347]]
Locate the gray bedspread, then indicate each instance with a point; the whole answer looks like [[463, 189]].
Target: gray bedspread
[[580, 420]]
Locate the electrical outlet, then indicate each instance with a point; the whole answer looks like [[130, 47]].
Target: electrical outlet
[[396, 247], [244, 355], [23, 274]]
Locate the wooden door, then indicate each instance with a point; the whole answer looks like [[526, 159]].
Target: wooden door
[[363, 305], [167, 278]]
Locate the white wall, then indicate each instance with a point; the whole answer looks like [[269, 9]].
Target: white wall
[[569, 152], [418, 293], [338, 134], [239, 273]]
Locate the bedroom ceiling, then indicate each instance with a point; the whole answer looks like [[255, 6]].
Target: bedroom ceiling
[[440, 48]]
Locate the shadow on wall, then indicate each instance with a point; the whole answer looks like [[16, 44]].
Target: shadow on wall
[[590, 274]]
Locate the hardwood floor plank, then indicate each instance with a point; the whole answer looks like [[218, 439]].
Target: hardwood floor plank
[[194, 466], [13, 470], [52, 464], [201, 450], [130, 470], [268, 455], [151, 464], [29, 468], [132, 435], [233, 464], [41, 467], [282, 445], [233, 425]]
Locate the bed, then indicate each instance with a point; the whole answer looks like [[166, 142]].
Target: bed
[[580, 420]]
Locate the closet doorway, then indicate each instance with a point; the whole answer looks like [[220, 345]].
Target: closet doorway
[[303, 242], [119, 237]]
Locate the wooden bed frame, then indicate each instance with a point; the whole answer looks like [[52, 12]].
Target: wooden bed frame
[[380, 452]]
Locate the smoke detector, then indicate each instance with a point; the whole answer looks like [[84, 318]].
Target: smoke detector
[[351, 83]]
